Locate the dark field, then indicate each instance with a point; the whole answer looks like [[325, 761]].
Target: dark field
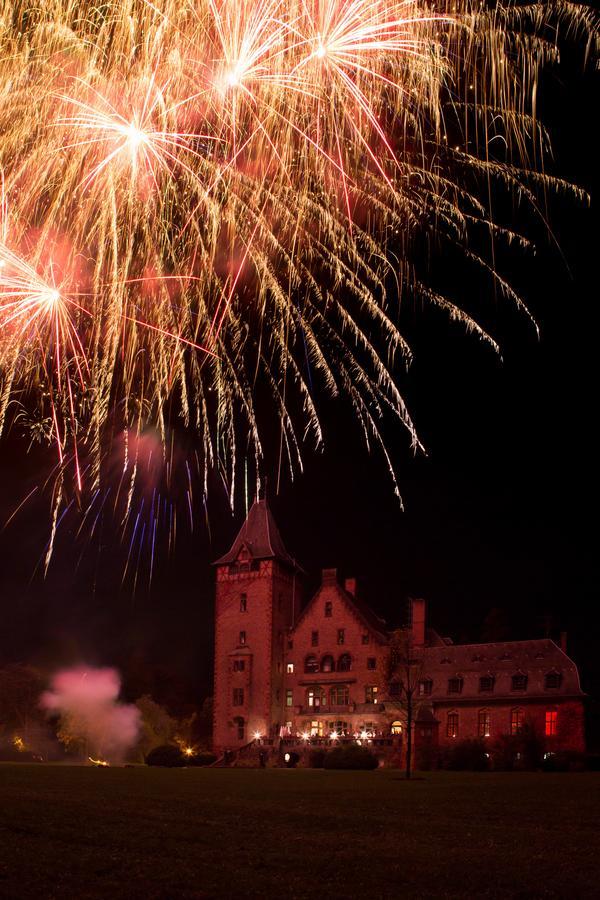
[[86, 832]]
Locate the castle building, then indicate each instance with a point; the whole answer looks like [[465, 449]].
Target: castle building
[[293, 672]]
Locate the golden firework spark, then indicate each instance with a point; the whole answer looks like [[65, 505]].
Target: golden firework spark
[[234, 186]]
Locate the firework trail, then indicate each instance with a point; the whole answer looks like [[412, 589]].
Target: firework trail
[[203, 196]]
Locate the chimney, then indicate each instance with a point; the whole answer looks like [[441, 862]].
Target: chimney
[[350, 586], [563, 641], [417, 621], [329, 576]]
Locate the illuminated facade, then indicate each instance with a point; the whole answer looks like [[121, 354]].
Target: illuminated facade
[[287, 671]]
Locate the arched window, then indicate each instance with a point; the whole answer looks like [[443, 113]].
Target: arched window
[[327, 664], [339, 695], [311, 664], [396, 727], [452, 725], [315, 697], [344, 663]]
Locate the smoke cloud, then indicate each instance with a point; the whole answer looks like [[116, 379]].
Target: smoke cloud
[[91, 716]]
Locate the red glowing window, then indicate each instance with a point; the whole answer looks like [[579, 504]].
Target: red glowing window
[[551, 721]]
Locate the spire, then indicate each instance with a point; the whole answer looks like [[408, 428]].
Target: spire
[[260, 536]]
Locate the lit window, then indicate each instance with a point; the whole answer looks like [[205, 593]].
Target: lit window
[[290, 668], [238, 696], [338, 728], [243, 603], [339, 695], [242, 637], [455, 685], [371, 662], [314, 638], [425, 687], [370, 693], [311, 664], [315, 697], [344, 663], [328, 609], [486, 683], [516, 721], [327, 664], [316, 729], [552, 680], [452, 725], [551, 722], [289, 698], [484, 723], [396, 728], [519, 682], [341, 635], [365, 638]]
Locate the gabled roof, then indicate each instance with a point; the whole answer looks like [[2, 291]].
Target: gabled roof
[[361, 609], [260, 536]]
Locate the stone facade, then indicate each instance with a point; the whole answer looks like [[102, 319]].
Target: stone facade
[[283, 673]]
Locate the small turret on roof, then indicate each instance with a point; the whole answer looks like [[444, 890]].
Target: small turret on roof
[[259, 537]]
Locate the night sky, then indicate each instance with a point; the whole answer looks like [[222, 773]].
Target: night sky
[[501, 513]]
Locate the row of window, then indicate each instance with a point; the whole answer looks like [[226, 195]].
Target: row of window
[[339, 695], [327, 664], [484, 722], [487, 683]]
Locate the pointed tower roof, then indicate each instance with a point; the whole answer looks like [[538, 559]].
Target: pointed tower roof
[[260, 536]]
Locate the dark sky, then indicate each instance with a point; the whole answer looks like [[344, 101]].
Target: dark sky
[[500, 513]]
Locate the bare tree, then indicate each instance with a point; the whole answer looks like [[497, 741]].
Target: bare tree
[[403, 672]]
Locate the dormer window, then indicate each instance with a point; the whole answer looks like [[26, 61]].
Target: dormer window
[[519, 682], [425, 687], [552, 680], [328, 609], [486, 683], [455, 685]]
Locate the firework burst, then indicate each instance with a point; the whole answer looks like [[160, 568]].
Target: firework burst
[[236, 185]]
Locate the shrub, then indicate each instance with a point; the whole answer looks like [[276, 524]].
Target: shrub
[[564, 761], [316, 758], [518, 751], [204, 758], [350, 757], [168, 755], [468, 755]]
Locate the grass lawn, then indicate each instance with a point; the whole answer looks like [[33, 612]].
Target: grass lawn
[[192, 833]]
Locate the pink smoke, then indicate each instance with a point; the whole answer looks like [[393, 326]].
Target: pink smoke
[[87, 701]]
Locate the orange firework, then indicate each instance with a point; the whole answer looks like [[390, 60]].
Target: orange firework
[[241, 182]]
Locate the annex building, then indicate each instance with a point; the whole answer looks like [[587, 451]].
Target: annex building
[[289, 671]]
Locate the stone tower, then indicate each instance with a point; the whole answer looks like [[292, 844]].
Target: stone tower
[[256, 601]]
